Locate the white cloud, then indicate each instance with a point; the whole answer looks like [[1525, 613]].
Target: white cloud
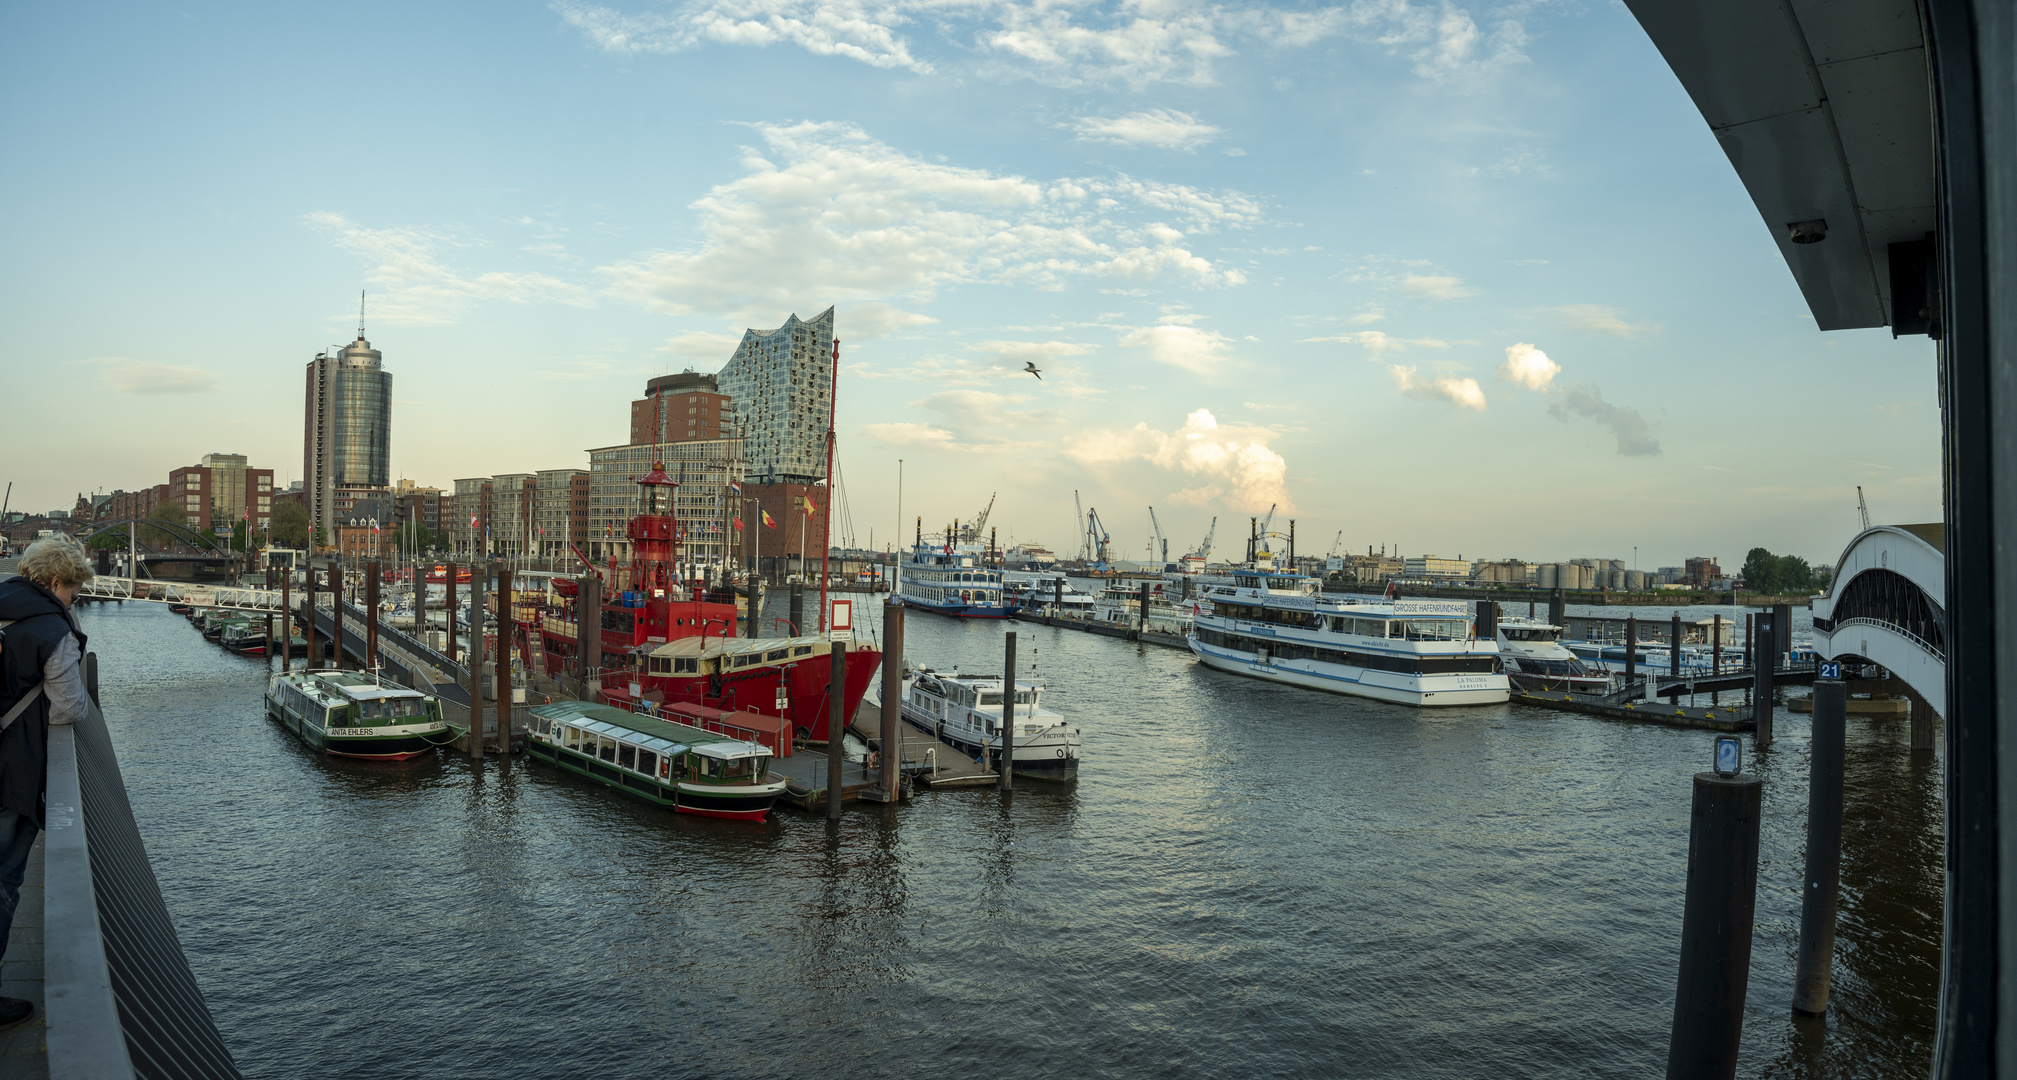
[[1435, 286], [1370, 315], [1378, 343], [824, 212], [1137, 42], [1236, 467], [871, 320], [701, 347], [1201, 352], [1635, 438], [1464, 393], [1529, 367], [412, 286], [908, 434], [1164, 128], [147, 377], [1598, 319]]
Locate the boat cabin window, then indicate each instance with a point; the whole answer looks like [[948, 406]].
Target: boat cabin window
[[661, 665], [626, 755], [802, 650], [1026, 697], [716, 769], [777, 654], [647, 763], [570, 736], [685, 665], [606, 749], [990, 698], [1437, 629]]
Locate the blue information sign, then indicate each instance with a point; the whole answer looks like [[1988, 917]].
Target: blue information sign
[[1729, 755], [1831, 669]]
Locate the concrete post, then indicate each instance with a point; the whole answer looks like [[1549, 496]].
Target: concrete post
[[892, 699], [474, 658], [1008, 707], [1764, 647], [451, 612], [1716, 927], [371, 615], [1816, 958], [505, 633], [836, 722]]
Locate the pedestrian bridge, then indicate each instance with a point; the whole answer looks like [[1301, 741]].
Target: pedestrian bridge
[[1888, 605]]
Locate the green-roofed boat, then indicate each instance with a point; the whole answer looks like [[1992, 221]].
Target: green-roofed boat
[[351, 714], [691, 770]]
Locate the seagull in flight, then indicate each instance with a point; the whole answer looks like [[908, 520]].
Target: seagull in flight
[[1031, 367]]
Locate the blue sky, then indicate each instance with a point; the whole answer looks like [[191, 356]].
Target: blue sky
[[1466, 279]]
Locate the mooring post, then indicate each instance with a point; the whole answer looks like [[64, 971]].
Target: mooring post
[[371, 615], [1922, 724], [474, 658], [286, 619], [1558, 608], [836, 721], [1008, 706], [419, 604], [892, 699], [1750, 639], [1762, 653], [798, 607], [1674, 660], [1716, 920], [588, 635], [336, 657], [755, 598], [308, 623], [448, 609], [1816, 958], [506, 626], [1716, 645], [1142, 625], [1632, 653], [1058, 596]]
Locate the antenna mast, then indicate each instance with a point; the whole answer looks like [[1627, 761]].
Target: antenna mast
[[360, 314]]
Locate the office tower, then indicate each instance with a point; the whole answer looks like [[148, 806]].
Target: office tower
[[347, 442]]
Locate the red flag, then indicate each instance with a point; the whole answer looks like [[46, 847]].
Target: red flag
[[768, 521], [738, 524]]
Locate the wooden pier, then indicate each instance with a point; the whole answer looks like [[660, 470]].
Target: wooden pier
[[1731, 718], [926, 762], [1112, 630]]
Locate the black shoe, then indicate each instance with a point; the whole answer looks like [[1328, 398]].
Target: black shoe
[[14, 1011]]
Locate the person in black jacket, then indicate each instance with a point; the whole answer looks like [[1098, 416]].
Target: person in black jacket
[[41, 683]]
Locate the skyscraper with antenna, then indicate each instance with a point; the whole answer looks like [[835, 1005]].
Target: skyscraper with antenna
[[347, 429]]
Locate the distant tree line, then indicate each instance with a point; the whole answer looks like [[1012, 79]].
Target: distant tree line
[[1784, 575]]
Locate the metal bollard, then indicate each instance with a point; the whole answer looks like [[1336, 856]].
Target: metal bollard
[[1716, 926], [1818, 899]]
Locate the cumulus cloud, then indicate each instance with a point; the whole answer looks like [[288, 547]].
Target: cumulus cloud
[[700, 346], [1378, 343], [823, 210], [1635, 439], [412, 285], [1529, 367], [1200, 352], [1232, 465], [1464, 393], [1106, 41], [1435, 286], [908, 434], [1598, 319], [1165, 128], [872, 319], [147, 377], [1014, 354]]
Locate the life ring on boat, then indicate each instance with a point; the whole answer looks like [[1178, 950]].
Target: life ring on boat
[[875, 761], [1061, 751]]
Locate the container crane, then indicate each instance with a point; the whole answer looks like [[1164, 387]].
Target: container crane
[[1205, 549], [1098, 540], [970, 534], [1085, 550], [1267, 524], [1335, 545], [1162, 545], [1862, 508]]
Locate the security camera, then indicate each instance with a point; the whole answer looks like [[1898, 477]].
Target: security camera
[[1808, 232]]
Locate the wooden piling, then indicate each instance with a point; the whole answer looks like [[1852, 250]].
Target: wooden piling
[[450, 611], [308, 624], [336, 657], [420, 604], [836, 721], [371, 615], [286, 619], [588, 634], [892, 699], [1814, 963], [475, 661], [1722, 899], [1008, 705], [506, 627]]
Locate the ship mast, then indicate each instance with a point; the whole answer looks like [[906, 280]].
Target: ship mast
[[826, 531]]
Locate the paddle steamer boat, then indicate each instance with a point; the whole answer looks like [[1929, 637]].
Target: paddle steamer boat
[[954, 579]]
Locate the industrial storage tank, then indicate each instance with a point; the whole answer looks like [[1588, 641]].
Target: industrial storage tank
[[1635, 580], [1549, 575]]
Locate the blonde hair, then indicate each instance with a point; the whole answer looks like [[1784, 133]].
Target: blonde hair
[[56, 559]]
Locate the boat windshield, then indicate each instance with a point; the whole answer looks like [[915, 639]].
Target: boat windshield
[[1435, 629], [733, 769], [391, 709]]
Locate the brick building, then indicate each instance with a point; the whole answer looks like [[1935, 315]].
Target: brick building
[[687, 407]]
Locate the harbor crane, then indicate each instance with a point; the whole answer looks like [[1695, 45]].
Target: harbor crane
[[1162, 545], [1085, 551], [1266, 524], [970, 534], [1205, 549], [1862, 508], [1335, 545], [1098, 540]]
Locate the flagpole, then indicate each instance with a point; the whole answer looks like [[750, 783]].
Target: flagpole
[[826, 531]]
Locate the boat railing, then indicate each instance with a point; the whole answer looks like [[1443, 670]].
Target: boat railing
[[110, 957]]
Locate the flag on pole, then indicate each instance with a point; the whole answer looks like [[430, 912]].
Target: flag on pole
[[806, 504], [472, 521], [738, 524], [374, 526], [734, 488], [768, 521]]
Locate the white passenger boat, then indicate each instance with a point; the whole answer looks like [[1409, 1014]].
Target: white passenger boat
[[966, 712], [1415, 652], [1536, 659], [1056, 591], [952, 579], [1120, 603]]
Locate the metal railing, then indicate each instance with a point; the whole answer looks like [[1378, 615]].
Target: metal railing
[[111, 960], [1931, 650]]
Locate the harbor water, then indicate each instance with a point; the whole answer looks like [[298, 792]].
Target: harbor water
[[1247, 880]]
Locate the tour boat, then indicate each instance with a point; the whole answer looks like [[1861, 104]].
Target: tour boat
[[1120, 603], [1536, 659], [965, 711], [953, 579], [669, 640], [671, 764], [244, 636], [1275, 626], [351, 714], [1054, 595]]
